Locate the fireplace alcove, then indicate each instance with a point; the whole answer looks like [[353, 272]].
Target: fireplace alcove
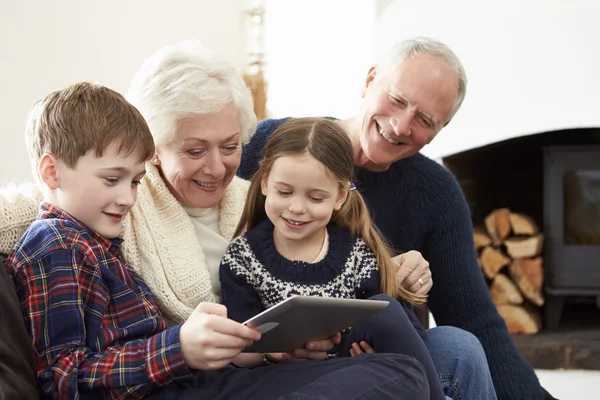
[[548, 176]]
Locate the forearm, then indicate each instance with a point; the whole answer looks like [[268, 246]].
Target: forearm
[[133, 369]]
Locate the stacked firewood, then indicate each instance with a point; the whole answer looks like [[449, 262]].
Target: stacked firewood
[[510, 247]]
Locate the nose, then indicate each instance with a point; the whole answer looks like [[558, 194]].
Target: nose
[[402, 122], [127, 196], [214, 166], [297, 206]]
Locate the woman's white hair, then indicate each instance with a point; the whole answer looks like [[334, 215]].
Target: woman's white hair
[[187, 79], [407, 48]]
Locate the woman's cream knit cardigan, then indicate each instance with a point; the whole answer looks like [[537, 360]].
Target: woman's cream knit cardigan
[[160, 240]]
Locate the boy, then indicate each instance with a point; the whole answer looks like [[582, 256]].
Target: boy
[[94, 325]]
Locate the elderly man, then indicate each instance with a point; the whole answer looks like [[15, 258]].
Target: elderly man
[[417, 204]]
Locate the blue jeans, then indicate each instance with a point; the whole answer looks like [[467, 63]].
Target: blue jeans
[[461, 364]]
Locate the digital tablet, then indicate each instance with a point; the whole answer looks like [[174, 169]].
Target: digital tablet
[[292, 323]]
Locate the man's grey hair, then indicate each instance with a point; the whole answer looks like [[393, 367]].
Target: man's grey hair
[[187, 79], [408, 48]]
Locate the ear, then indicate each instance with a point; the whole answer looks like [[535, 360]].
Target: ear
[[155, 159], [341, 199], [263, 186], [368, 81], [48, 171]]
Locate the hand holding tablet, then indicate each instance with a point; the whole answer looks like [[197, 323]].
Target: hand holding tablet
[[292, 323]]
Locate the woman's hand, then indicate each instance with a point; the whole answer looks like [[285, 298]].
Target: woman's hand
[[209, 340], [315, 350], [413, 273], [362, 347]]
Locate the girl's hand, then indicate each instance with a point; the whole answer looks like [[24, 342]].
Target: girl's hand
[[362, 347], [315, 350]]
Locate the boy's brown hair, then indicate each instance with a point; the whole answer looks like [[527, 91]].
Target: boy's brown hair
[[84, 117]]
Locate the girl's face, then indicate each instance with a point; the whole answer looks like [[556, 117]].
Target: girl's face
[[301, 195]]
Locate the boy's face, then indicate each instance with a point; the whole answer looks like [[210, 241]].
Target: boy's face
[[99, 191]]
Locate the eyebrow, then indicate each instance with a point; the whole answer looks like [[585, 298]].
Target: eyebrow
[[310, 190], [421, 113], [193, 139], [122, 170]]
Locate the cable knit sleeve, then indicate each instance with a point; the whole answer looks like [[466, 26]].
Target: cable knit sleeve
[[237, 291], [18, 208]]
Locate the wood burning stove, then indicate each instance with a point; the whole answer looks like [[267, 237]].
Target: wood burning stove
[[572, 226]]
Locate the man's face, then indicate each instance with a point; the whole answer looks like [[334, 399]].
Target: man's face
[[404, 110]]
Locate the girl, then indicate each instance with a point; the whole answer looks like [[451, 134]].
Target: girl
[[308, 232]]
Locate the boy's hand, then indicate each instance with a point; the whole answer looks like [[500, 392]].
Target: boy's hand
[[209, 340]]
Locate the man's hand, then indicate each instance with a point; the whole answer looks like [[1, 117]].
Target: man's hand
[[413, 273], [209, 340]]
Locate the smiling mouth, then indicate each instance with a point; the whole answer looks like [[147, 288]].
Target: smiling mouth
[[115, 216], [207, 185], [296, 223], [384, 135]]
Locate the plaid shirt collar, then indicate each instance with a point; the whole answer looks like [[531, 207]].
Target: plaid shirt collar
[[49, 211]]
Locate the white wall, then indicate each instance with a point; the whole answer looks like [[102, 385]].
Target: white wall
[[47, 45], [318, 54], [533, 65]]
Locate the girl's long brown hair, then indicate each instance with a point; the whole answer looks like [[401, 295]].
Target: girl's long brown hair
[[328, 143]]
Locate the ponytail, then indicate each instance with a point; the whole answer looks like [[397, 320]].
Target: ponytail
[[354, 216]]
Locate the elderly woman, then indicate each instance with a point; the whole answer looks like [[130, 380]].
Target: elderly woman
[[200, 113]]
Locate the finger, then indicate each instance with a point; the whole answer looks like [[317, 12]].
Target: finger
[[280, 357], [357, 349], [223, 341], [232, 328], [212, 308], [425, 289], [310, 355], [421, 282], [352, 353], [321, 345], [336, 339], [401, 270], [366, 347], [420, 270]]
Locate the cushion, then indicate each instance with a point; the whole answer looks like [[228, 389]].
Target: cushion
[[17, 360]]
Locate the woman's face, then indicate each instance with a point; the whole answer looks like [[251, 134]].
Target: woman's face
[[202, 159]]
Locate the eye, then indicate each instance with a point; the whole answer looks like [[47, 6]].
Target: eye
[[111, 181], [424, 122], [316, 199], [400, 102], [136, 182], [195, 153], [231, 148], [283, 192]]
